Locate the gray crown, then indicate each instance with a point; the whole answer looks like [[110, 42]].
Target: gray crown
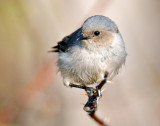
[[99, 21]]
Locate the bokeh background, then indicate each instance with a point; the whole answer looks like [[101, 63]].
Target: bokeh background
[[31, 89]]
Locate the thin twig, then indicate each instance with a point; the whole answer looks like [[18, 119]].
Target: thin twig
[[101, 84], [97, 119], [91, 105], [94, 94]]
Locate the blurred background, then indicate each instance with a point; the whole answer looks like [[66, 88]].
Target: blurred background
[[31, 89]]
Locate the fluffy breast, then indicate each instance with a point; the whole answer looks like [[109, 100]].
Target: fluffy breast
[[84, 66], [81, 66]]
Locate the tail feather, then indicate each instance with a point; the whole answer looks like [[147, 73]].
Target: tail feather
[[53, 51], [60, 47], [57, 46]]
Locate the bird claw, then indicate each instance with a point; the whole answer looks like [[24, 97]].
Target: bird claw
[[94, 95]]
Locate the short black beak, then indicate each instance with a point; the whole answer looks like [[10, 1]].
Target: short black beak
[[81, 37]]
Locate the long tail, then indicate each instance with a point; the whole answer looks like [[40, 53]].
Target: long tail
[[54, 49]]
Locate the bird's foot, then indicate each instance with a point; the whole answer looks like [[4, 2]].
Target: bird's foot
[[77, 86]]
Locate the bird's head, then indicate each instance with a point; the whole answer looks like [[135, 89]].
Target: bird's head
[[99, 30]]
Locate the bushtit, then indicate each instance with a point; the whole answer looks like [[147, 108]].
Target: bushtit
[[86, 55]]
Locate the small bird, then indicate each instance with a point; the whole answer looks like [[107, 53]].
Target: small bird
[[86, 55]]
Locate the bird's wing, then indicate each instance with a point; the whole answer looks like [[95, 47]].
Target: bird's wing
[[67, 42]]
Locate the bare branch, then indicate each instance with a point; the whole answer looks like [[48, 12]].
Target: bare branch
[[94, 94], [98, 120]]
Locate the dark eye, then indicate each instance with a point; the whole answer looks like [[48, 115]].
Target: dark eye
[[96, 33]]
